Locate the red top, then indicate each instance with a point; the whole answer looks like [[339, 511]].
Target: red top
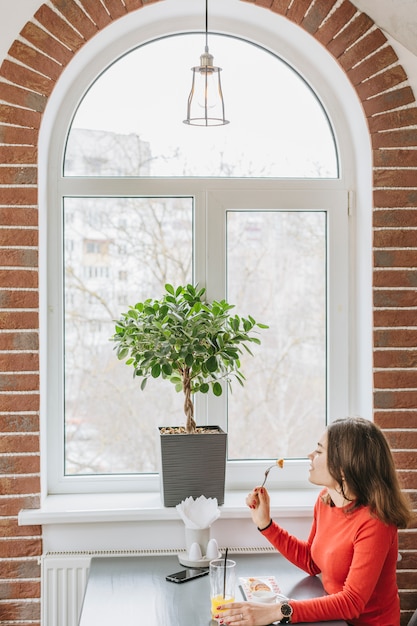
[[356, 555]]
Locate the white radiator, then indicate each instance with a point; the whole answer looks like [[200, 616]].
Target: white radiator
[[64, 578], [65, 575]]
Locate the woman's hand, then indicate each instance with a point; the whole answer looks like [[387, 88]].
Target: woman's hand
[[259, 504], [247, 614]]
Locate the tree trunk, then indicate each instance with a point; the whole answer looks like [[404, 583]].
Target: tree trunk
[[188, 404]]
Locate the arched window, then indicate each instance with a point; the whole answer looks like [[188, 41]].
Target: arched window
[[256, 211]]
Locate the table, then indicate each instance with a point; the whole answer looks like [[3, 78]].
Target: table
[[132, 591]]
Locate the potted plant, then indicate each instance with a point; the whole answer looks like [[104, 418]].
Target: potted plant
[[196, 345]]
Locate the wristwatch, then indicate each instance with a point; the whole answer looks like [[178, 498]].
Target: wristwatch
[[286, 610]]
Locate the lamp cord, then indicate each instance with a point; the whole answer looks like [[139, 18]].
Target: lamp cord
[[206, 25]]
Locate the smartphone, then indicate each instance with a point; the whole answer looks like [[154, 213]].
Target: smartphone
[[187, 574]]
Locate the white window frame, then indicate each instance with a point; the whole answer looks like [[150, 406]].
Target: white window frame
[[353, 310]]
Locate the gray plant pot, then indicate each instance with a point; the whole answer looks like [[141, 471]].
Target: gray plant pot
[[193, 465]]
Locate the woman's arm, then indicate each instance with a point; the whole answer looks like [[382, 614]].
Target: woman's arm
[[296, 551]]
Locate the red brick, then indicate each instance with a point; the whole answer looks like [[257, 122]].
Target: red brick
[[19, 485], [298, 10], [19, 340], [15, 196], [35, 60], [395, 139], [14, 154], [20, 236], [19, 299], [26, 78], [17, 258], [20, 443], [395, 218], [395, 258], [349, 35], [396, 379], [395, 158], [278, 6], [395, 278], [396, 358], [18, 217], [14, 362], [372, 65], [18, 175], [404, 460], [381, 82], [316, 15], [19, 382], [18, 135], [12, 590], [408, 560], [20, 568], [395, 238], [337, 20], [395, 399], [97, 12], [22, 97], [395, 178], [19, 424], [395, 198], [116, 8], [43, 41], [394, 298], [19, 612], [19, 320], [393, 338], [407, 580], [393, 119], [389, 100], [408, 479], [18, 403], [14, 504], [132, 5], [402, 440], [55, 25], [402, 317], [76, 17], [19, 464], [27, 279], [395, 419], [359, 51], [19, 117]]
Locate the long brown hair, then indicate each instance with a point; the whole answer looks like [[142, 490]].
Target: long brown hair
[[358, 456]]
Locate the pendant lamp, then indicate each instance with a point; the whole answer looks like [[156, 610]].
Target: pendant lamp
[[205, 103]]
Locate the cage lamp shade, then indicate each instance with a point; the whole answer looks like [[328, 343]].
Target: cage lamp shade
[[205, 105]]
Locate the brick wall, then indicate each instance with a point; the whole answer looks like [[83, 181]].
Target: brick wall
[[27, 76]]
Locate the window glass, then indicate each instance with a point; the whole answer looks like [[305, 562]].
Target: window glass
[[117, 251], [276, 270], [129, 123]]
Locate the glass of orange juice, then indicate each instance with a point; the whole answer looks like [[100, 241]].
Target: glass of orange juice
[[222, 583]]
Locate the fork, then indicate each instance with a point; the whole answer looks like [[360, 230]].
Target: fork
[[267, 472]]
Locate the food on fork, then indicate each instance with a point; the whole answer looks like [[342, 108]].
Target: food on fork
[[280, 463]]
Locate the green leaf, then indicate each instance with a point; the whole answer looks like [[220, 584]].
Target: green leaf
[[167, 369], [169, 288], [217, 389], [204, 388], [156, 370], [211, 364], [189, 360]]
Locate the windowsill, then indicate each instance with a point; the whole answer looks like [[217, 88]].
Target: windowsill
[[136, 507]]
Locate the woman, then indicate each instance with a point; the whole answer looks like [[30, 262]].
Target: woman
[[353, 541]]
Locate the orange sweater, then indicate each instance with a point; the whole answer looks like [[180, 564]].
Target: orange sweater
[[356, 555]]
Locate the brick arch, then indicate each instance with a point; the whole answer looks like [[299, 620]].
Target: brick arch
[[46, 44]]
